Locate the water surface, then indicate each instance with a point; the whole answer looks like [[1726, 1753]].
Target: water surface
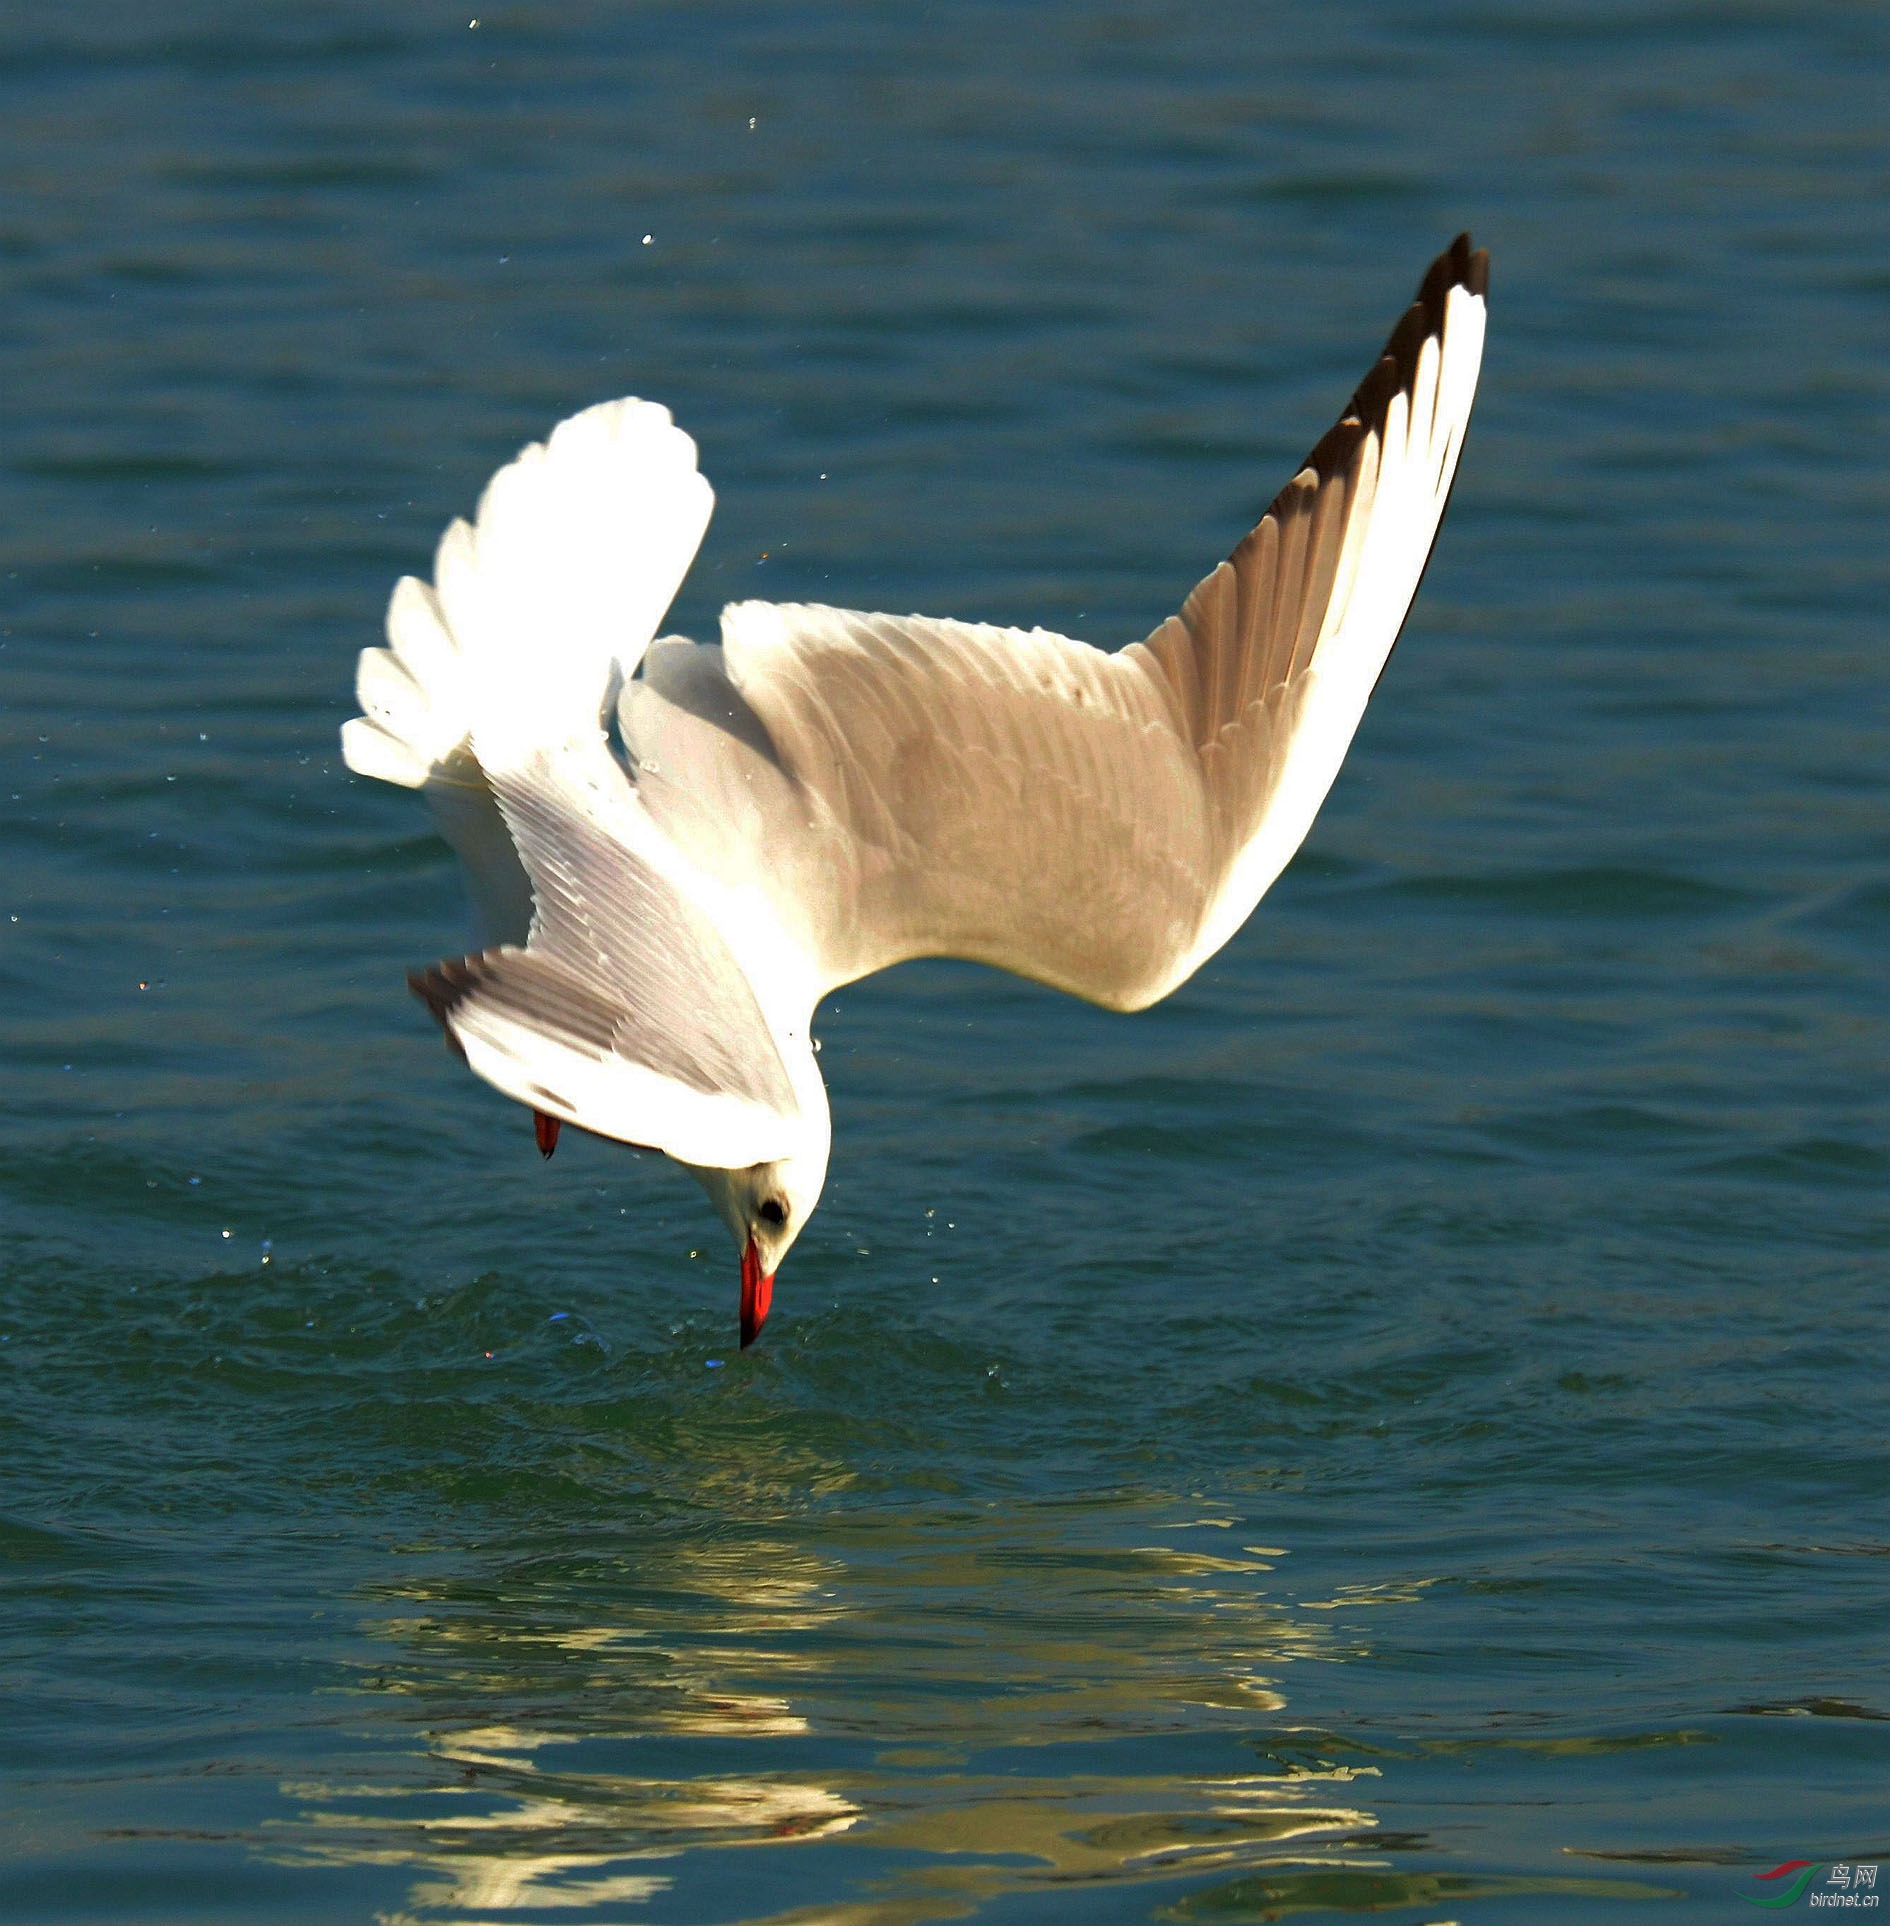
[[1402, 1426]]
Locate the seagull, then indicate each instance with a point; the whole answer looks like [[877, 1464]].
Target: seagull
[[825, 793]]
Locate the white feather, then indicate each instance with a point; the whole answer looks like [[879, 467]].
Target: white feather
[[579, 548]]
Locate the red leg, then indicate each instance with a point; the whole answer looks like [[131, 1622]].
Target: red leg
[[547, 1129]]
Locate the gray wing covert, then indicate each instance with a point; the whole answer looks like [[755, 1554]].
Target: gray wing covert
[[948, 789]]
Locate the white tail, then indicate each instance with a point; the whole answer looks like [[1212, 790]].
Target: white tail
[[578, 549]]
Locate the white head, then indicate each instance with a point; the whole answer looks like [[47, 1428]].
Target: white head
[[765, 1208]]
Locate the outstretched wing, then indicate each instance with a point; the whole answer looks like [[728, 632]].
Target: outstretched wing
[[626, 1013], [899, 786]]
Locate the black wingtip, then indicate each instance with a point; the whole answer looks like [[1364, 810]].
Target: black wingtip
[[1334, 449], [1461, 265], [1439, 278], [443, 988]]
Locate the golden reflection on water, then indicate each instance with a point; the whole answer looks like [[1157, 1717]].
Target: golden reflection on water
[[575, 1721]]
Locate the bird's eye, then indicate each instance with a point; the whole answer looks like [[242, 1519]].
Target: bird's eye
[[773, 1211]]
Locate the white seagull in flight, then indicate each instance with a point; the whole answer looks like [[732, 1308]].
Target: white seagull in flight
[[825, 793]]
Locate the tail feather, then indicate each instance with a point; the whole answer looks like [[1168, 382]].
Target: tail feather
[[538, 607], [412, 693], [536, 611], [580, 546]]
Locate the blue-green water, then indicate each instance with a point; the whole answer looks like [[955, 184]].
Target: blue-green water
[[1403, 1425]]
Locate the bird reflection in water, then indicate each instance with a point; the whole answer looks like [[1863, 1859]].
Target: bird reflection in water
[[950, 1713]]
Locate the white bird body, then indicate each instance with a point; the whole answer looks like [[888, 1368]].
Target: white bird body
[[826, 793]]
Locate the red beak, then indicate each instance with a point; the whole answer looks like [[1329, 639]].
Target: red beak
[[757, 1295]]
